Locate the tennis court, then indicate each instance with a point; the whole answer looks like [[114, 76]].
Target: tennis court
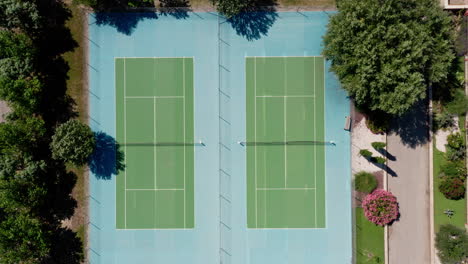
[[285, 142], [155, 127]]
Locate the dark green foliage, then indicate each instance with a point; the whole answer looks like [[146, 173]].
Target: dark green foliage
[[365, 153], [230, 8], [379, 160], [378, 145], [452, 244], [73, 142], [443, 120], [452, 188], [378, 123], [102, 5], [23, 238], [456, 149], [21, 184], [459, 103], [453, 169], [365, 182], [386, 53], [21, 135], [20, 14]]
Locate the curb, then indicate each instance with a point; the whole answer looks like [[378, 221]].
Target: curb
[[431, 181], [386, 249]]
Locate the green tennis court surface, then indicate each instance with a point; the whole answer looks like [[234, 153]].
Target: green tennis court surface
[[285, 102], [154, 101]]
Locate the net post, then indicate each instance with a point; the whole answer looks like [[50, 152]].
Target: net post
[[241, 143]]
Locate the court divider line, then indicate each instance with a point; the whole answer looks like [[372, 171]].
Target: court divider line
[[183, 103], [255, 136], [285, 123], [315, 149], [125, 140]]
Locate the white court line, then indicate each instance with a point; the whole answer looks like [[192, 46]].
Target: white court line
[[287, 189], [285, 96], [183, 92], [284, 56], [285, 123], [155, 140], [153, 97], [315, 150], [155, 189], [255, 136], [125, 140], [152, 57]]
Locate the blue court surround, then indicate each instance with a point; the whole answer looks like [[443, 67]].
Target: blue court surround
[[220, 234]]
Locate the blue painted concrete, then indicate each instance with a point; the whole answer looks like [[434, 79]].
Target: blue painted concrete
[[221, 233]]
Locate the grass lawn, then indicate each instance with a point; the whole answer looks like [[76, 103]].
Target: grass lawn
[[76, 89], [441, 203], [369, 240]]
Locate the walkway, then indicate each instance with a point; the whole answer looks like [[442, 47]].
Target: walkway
[[409, 238]]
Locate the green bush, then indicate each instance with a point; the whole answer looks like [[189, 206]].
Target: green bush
[[73, 142], [379, 160], [453, 169], [443, 120], [452, 188], [452, 244], [365, 182], [378, 145], [459, 104], [365, 153], [456, 149], [377, 125]]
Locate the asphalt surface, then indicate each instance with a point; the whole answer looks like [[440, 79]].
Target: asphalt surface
[[408, 180]]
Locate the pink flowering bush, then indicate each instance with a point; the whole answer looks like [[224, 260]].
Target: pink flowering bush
[[380, 207]]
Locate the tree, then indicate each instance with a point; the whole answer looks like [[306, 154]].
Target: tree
[[19, 14], [23, 238], [452, 244], [73, 142], [230, 8], [21, 135], [386, 53], [22, 184]]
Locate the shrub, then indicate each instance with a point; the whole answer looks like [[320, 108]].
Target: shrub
[[453, 169], [365, 182], [72, 142], [380, 207], [459, 104], [365, 153], [443, 120], [456, 149], [377, 125], [378, 145], [379, 160], [452, 244], [452, 188]]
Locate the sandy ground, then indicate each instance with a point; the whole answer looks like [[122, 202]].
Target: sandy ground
[[362, 138], [441, 136], [4, 109]]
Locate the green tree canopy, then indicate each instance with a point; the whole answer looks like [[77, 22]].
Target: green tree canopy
[[73, 142], [230, 8], [386, 53], [23, 238], [452, 243], [21, 135], [19, 14]]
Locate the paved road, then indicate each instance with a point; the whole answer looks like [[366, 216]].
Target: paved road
[[409, 238]]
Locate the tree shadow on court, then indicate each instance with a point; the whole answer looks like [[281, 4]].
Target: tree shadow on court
[[413, 127], [176, 8], [107, 158], [124, 22], [255, 21]]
